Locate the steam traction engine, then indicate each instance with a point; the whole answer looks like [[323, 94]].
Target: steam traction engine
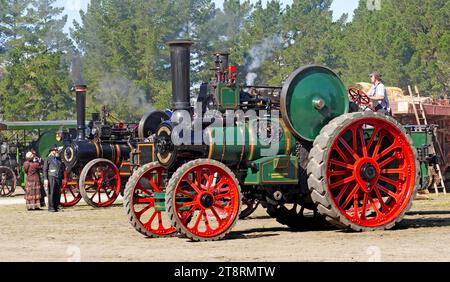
[[98, 164], [358, 170]]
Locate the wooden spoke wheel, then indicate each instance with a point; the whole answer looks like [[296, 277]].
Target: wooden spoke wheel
[[363, 171], [144, 199], [70, 193], [100, 183], [203, 200], [7, 181]]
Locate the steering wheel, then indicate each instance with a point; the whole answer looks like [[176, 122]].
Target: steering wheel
[[358, 96]]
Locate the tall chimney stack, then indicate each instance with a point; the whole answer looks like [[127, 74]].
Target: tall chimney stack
[[224, 60], [180, 63], [80, 91]]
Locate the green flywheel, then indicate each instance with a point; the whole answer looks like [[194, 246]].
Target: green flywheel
[[311, 97]]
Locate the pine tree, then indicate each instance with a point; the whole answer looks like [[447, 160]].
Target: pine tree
[[36, 81]]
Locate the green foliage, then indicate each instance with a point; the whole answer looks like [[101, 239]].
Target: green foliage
[[35, 83], [123, 57], [407, 40]]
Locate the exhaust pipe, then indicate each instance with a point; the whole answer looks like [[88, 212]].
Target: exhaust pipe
[[223, 61], [180, 63], [80, 91]]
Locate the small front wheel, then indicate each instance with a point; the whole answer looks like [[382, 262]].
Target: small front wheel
[[203, 200]]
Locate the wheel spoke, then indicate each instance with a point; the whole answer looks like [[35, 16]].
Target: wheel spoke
[[141, 212], [341, 164], [350, 150], [342, 192], [71, 191], [160, 223], [223, 193], [384, 207], [186, 215], [148, 224], [219, 185], [339, 173], [96, 191], [142, 189], [205, 219], [372, 139], [355, 205], [388, 150], [364, 206], [216, 215], [184, 193], [363, 142], [374, 206], [388, 180], [378, 146], [199, 217], [342, 182], [354, 143], [140, 200], [341, 153], [154, 186], [65, 196], [193, 185], [386, 161], [393, 171], [159, 178], [387, 191], [189, 204], [350, 196]]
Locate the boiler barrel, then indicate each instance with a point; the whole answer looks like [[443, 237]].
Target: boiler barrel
[[80, 153], [244, 142]]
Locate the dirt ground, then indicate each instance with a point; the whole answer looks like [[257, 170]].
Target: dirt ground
[[82, 233]]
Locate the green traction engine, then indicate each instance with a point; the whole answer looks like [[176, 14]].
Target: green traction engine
[[298, 150]]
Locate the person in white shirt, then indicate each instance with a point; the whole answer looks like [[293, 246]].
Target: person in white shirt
[[378, 94]]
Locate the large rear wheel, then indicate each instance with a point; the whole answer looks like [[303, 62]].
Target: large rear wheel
[[203, 200], [363, 171]]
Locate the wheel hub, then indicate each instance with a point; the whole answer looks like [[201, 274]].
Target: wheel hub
[[207, 200], [368, 172]]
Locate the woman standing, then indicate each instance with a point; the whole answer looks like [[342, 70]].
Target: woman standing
[[34, 197]]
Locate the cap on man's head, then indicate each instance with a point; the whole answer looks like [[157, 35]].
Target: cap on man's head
[[375, 74], [55, 148]]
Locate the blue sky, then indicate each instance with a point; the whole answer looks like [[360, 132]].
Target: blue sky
[[72, 7]]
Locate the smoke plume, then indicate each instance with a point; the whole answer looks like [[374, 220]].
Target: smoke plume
[[258, 54]]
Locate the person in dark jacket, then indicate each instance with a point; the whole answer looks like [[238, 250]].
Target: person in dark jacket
[[53, 177]]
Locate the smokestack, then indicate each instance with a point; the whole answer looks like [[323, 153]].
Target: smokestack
[[80, 91], [223, 60], [180, 63]]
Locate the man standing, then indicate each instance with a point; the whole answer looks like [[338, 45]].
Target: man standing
[[53, 176], [378, 94]]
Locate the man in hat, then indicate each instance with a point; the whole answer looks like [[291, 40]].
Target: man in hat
[[378, 94], [53, 177]]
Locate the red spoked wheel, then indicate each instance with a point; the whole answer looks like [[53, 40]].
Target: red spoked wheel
[[363, 171], [70, 193], [144, 201], [203, 200], [7, 181], [100, 183]]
